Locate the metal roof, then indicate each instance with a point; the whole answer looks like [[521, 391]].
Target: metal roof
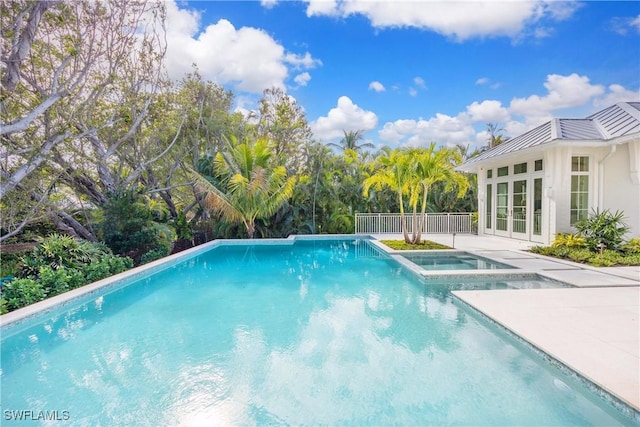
[[613, 122]]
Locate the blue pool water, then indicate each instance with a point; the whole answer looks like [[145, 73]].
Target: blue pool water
[[457, 261], [321, 332]]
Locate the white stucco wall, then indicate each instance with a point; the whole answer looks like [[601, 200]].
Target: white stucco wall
[[620, 192]]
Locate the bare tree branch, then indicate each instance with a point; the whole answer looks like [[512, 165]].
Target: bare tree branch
[[16, 177], [22, 47]]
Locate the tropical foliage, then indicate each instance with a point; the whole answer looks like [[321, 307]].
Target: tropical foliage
[[597, 242], [58, 264], [411, 173], [247, 185]]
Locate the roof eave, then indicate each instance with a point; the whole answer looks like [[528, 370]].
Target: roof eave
[[475, 165]]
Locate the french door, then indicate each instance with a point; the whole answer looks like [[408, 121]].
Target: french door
[[519, 205], [512, 209]]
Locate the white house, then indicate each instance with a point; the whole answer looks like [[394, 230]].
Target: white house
[[543, 181]]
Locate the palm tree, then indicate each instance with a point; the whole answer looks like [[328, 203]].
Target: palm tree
[[395, 173], [247, 186], [432, 166], [495, 136], [412, 173], [350, 141]]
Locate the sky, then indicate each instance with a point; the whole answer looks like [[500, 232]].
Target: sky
[[411, 72]]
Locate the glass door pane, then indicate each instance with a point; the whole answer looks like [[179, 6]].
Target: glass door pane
[[502, 207], [537, 207], [489, 205], [519, 220]]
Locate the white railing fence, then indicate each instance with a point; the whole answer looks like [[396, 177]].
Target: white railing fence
[[389, 223]]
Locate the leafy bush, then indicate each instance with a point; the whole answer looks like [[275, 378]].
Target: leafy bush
[[129, 229], [58, 264], [152, 255], [607, 258], [603, 227], [629, 259], [569, 240], [543, 250], [184, 229], [107, 267], [580, 255], [59, 250], [401, 245], [632, 246], [19, 293]]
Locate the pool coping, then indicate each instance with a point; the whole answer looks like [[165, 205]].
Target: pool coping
[[505, 274], [619, 402]]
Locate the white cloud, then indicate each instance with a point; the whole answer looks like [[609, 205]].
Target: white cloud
[[419, 81], [489, 111], [482, 81], [345, 116], [413, 91], [563, 92], [475, 19], [616, 94], [624, 26], [322, 7], [268, 4], [442, 129], [572, 93], [302, 79], [377, 86], [302, 61], [247, 58]]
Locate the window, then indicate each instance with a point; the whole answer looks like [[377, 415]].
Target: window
[[503, 171], [520, 168], [489, 173], [488, 200], [579, 188], [537, 165], [580, 164], [537, 206]]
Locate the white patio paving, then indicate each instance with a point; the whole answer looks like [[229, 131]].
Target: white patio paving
[[594, 328]]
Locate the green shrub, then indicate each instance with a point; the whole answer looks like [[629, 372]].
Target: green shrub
[[107, 267], [58, 264], [607, 258], [152, 256], [543, 250], [569, 240], [580, 255], [629, 259], [603, 228], [129, 229], [9, 264], [184, 229], [632, 246], [60, 280], [58, 250], [401, 245], [22, 292]]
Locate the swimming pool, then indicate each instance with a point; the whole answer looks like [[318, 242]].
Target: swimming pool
[[453, 261], [315, 332]]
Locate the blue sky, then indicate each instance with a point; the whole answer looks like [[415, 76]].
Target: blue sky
[[412, 72]]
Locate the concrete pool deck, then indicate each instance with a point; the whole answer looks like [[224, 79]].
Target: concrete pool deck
[[594, 328]]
